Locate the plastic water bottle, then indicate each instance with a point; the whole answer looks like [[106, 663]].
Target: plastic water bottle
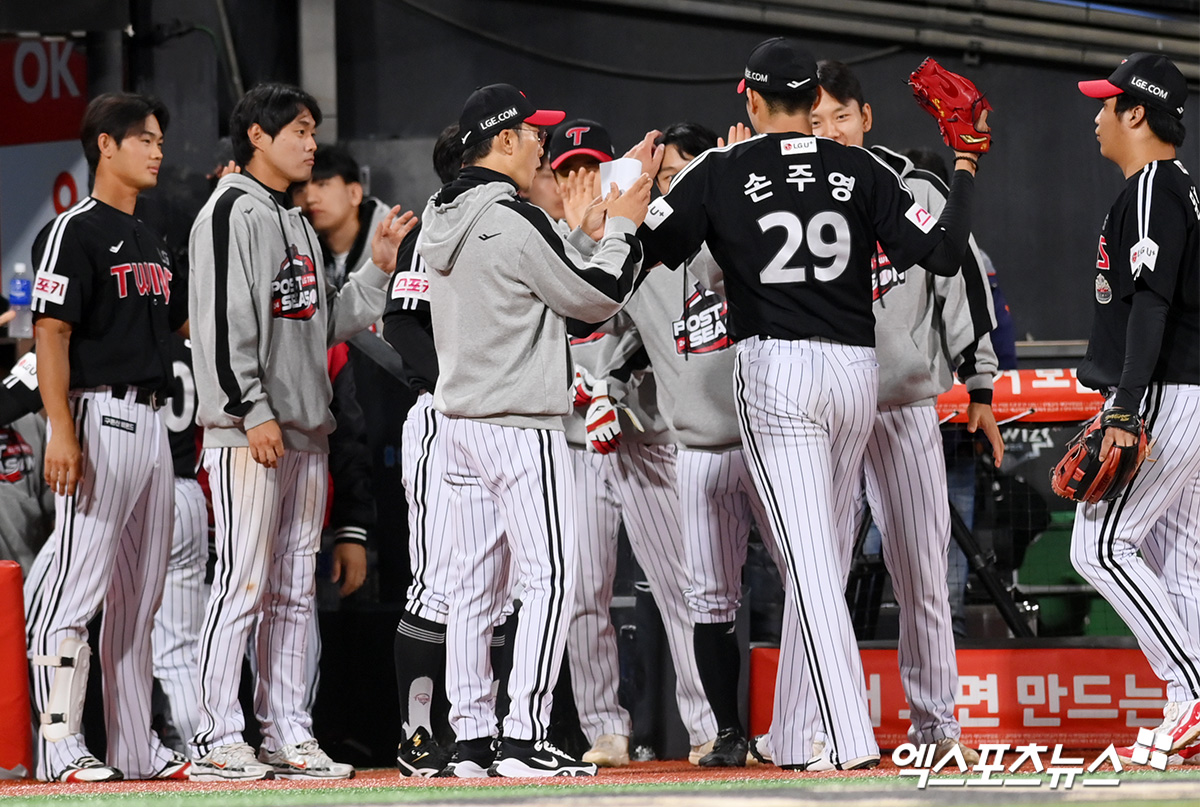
[[20, 297]]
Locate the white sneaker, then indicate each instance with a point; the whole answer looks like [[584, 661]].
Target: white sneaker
[[233, 761], [824, 763], [760, 751], [699, 752], [88, 769], [304, 760], [1181, 722], [946, 745], [609, 751]]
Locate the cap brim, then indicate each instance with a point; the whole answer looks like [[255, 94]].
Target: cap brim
[[546, 117], [599, 155], [1100, 88], [741, 86]]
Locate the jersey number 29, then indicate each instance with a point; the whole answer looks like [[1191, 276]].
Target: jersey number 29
[[836, 249]]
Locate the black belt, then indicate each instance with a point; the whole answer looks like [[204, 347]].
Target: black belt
[[141, 394]]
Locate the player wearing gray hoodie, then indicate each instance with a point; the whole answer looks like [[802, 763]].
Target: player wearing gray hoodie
[[502, 282]]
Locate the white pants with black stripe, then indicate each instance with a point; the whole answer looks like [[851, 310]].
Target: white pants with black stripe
[[268, 524], [636, 484], [177, 623], [906, 489], [1158, 513], [805, 409], [525, 475], [717, 502], [110, 546], [429, 550]]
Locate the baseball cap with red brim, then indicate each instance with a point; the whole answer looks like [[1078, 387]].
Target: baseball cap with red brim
[[580, 136], [779, 65], [496, 107], [1148, 77]]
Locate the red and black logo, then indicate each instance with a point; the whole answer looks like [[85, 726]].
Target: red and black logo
[[294, 289], [16, 456], [701, 329], [884, 277]]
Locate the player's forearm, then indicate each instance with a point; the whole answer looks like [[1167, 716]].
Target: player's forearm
[[955, 227], [1143, 342], [405, 333], [54, 371]]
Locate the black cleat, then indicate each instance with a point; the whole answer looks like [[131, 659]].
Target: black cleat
[[729, 750], [421, 755], [536, 759], [470, 759]]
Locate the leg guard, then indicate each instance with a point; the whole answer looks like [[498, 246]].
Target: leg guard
[[64, 711]]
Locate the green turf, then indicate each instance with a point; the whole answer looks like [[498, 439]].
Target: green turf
[[300, 797]]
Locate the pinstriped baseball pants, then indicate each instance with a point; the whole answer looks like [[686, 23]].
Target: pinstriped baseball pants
[[268, 523], [110, 545], [1153, 513], [636, 483], [805, 410], [525, 474]]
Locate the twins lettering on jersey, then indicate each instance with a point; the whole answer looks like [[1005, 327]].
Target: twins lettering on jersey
[[702, 328], [16, 456], [294, 289], [148, 278], [884, 276]]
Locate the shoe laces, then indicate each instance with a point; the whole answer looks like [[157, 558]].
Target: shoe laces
[[546, 745], [236, 752], [312, 750]]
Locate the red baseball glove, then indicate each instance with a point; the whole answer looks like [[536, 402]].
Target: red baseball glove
[[1081, 476], [955, 103]]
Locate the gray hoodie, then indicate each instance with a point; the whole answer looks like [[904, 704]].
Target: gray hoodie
[[262, 317], [503, 282], [927, 326]]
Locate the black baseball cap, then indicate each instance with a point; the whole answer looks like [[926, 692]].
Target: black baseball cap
[[779, 65], [580, 137], [496, 107], [1151, 78]]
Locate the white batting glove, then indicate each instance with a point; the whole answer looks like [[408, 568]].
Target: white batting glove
[[584, 387], [603, 427]]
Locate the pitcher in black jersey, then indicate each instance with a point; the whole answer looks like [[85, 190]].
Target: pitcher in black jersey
[[793, 221], [106, 300], [1144, 354]]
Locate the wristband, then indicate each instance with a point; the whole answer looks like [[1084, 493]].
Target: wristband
[[971, 160]]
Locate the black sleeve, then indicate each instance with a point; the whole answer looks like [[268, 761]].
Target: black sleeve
[[350, 460], [179, 295], [410, 334], [954, 225], [1143, 342], [17, 396]]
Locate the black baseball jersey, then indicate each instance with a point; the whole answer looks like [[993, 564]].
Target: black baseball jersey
[[110, 276], [793, 221], [407, 325], [1150, 242], [179, 414]]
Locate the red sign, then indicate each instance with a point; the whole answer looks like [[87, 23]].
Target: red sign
[[1028, 396], [1080, 697], [43, 90]]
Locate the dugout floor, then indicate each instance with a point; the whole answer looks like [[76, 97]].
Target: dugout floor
[[656, 784]]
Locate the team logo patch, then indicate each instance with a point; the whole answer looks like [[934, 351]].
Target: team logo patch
[[50, 287], [411, 284], [1143, 256], [1103, 290], [16, 456], [658, 212], [920, 217], [25, 370], [798, 145], [294, 289], [117, 423], [884, 276], [702, 327]]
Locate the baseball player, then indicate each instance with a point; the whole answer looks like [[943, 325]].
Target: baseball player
[[621, 475], [105, 304], [793, 223], [265, 320], [26, 501], [1144, 354], [924, 326], [503, 280]]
